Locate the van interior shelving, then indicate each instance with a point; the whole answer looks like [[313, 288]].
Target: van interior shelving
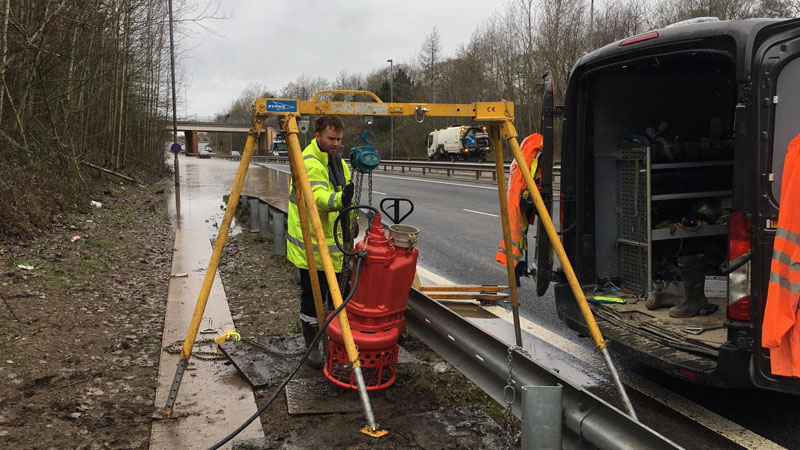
[[660, 157]]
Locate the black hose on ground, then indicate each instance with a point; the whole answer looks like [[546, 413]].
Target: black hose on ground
[[299, 363]]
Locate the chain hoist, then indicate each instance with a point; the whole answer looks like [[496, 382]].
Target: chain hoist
[[363, 159]]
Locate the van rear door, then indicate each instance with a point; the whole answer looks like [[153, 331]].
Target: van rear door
[[775, 72], [544, 250]]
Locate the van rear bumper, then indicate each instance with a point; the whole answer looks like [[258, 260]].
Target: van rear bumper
[[729, 370]]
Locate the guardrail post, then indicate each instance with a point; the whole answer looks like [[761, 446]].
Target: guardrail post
[[263, 219], [254, 214], [423, 171], [477, 174], [541, 417], [403, 169], [279, 233]]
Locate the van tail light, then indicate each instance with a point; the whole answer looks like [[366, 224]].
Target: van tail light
[[739, 240], [639, 38]]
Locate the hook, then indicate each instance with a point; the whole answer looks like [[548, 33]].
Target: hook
[[366, 135], [417, 111]]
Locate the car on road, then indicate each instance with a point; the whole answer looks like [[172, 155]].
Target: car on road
[[672, 149], [235, 153], [204, 153]]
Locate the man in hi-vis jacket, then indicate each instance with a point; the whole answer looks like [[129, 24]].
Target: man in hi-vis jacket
[[332, 191]]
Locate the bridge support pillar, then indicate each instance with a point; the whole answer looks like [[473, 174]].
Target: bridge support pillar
[[191, 142]]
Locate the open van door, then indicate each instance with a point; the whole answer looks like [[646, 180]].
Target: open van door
[[775, 96], [544, 250]]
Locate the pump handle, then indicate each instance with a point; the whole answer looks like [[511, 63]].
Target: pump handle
[[394, 216]]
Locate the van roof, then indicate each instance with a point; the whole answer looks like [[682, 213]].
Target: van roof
[[743, 33]]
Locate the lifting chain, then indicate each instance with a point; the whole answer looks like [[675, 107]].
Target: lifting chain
[[510, 395], [358, 185], [369, 189]]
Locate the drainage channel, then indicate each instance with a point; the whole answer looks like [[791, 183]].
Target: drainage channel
[[483, 358]]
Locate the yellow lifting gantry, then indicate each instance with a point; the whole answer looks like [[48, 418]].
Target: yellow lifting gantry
[[499, 119]]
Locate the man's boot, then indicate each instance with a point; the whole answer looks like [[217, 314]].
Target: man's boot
[[693, 273], [314, 359]]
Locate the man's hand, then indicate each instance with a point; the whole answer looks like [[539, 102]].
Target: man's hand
[[347, 194]]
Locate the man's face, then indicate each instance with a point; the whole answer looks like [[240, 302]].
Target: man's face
[[329, 140]]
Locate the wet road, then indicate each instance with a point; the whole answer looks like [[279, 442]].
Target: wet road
[[459, 234]]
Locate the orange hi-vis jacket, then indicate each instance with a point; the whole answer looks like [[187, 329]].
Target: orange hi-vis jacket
[[531, 148], [781, 327]]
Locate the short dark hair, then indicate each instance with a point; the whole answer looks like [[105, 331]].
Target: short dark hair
[[326, 121]]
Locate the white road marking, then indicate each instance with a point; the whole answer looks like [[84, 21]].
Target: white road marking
[[479, 212], [422, 180], [379, 193], [691, 410]]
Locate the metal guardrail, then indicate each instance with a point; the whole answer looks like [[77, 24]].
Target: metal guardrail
[[426, 167], [484, 360]]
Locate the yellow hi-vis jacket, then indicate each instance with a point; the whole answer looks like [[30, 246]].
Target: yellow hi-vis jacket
[[328, 199]]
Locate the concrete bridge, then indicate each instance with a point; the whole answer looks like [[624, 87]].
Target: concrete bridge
[[193, 125]]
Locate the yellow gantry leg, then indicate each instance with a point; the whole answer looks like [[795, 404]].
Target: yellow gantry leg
[[497, 143], [213, 264], [296, 157], [510, 134], [312, 263]]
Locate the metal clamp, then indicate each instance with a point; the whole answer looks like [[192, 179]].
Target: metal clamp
[[417, 111]]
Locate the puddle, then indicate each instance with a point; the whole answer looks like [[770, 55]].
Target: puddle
[[204, 182]]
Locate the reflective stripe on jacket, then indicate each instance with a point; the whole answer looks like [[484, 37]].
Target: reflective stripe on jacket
[[328, 199], [531, 148], [781, 327]]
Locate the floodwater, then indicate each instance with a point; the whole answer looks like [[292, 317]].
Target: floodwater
[[204, 182]]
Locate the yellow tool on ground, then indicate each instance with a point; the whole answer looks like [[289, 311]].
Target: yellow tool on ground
[[229, 335]]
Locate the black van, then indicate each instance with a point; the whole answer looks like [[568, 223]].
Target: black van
[[673, 145]]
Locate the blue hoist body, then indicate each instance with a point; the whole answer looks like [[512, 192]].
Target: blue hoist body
[[365, 158]]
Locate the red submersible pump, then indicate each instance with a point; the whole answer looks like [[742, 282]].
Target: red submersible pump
[[375, 311]]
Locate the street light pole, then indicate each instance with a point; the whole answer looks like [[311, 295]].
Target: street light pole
[[591, 27], [174, 101], [391, 100]]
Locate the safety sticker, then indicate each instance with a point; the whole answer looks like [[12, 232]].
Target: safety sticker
[[342, 108], [372, 109]]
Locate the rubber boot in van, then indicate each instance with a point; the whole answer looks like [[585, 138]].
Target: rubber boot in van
[[692, 269]]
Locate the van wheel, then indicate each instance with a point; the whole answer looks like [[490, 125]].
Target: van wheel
[[452, 159]]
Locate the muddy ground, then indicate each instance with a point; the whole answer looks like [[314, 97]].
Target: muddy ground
[[80, 324], [431, 406], [81, 321]]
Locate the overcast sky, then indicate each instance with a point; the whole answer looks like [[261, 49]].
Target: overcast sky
[[273, 42]]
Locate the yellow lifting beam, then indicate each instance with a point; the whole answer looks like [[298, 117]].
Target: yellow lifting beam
[[499, 117]]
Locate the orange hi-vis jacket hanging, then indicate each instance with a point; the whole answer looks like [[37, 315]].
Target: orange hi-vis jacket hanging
[[781, 327], [531, 148]]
